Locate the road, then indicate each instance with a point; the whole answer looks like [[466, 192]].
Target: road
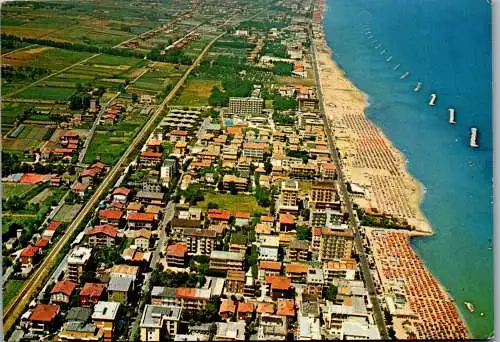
[[353, 224], [81, 156], [34, 283]]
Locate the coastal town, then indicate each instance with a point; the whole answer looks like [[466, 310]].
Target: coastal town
[[214, 178]]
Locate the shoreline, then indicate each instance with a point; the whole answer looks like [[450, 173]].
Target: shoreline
[[353, 100], [382, 171]]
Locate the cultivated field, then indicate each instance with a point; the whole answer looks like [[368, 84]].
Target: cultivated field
[[196, 92], [15, 189], [67, 212], [232, 202]]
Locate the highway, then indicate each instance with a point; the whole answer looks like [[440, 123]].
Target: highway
[[34, 283], [353, 224]]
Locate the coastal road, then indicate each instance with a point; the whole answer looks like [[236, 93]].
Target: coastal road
[[34, 283], [358, 241]]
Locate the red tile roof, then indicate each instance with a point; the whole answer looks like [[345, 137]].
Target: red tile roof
[[44, 312], [53, 225], [177, 250], [286, 307], [328, 166], [316, 231], [42, 243], [80, 186], [143, 233], [265, 308], [90, 172], [92, 289], [227, 305], [219, 214], [287, 219], [98, 165], [65, 287], [150, 154], [297, 268], [110, 214], [245, 308], [63, 150], [179, 132], [105, 229], [254, 146], [242, 214], [32, 178], [154, 142], [278, 282], [185, 292], [266, 219], [270, 265], [29, 251], [147, 217], [121, 191]]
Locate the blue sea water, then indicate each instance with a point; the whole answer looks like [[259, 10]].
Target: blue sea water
[[446, 45]]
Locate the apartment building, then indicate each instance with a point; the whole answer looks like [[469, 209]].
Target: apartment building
[[339, 269], [105, 318], [235, 282], [199, 241], [288, 198], [225, 261], [323, 195], [335, 244], [77, 262], [254, 151], [246, 105], [159, 322]]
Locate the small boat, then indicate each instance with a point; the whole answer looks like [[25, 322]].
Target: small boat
[[405, 75], [418, 86], [389, 59], [481, 314], [396, 67], [474, 137], [382, 52], [469, 306], [378, 46], [433, 99], [451, 119]]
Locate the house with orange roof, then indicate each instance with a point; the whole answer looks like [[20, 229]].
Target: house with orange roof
[[121, 194], [143, 239], [149, 158], [80, 188], [235, 282], [219, 216], [42, 318], [102, 235], [92, 293], [297, 272], [154, 145], [262, 229], [178, 135], [328, 171], [286, 307], [269, 268], [227, 309], [29, 256], [241, 218], [286, 223], [254, 151], [62, 291], [280, 286], [42, 243], [240, 184], [234, 131], [141, 221], [49, 232], [110, 216], [180, 148], [33, 178], [245, 310], [176, 255]]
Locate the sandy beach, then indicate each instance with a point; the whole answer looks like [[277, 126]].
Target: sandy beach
[[368, 157]]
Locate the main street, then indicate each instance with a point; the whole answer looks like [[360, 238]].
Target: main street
[[34, 283], [353, 224]]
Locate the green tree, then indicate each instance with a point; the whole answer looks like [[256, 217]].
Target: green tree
[[135, 98], [331, 293], [304, 233]]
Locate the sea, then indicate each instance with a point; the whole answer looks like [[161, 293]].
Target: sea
[[446, 46]]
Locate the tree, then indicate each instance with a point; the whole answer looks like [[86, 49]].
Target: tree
[[262, 197], [268, 166], [331, 293], [79, 100], [304, 233], [232, 188], [193, 194], [135, 98]]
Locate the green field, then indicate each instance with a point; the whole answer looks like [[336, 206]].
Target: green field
[[11, 289], [33, 132], [21, 145], [46, 93], [67, 212], [12, 111], [15, 189], [196, 92], [232, 202]]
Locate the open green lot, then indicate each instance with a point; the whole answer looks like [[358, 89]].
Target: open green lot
[[11, 289], [196, 92], [33, 132], [232, 202], [15, 189], [46, 93], [67, 212]]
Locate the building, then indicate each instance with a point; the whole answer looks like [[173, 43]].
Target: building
[[77, 262], [328, 171], [80, 331], [308, 328], [288, 198], [42, 318], [286, 223], [272, 328], [219, 216], [121, 195], [280, 286], [299, 250], [28, 257], [234, 331], [335, 244], [268, 268], [92, 293], [178, 135], [199, 241], [315, 284], [142, 239], [110, 216], [326, 217], [324, 194], [187, 298], [119, 289], [235, 282], [339, 269], [246, 105], [62, 291], [269, 247], [125, 271], [297, 272], [159, 323], [105, 318], [353, 330], [141, 221], [254, 151], [167, 171], [149, 158], [227, 309], [103, 235], [245, 311], [241, 218], [240, 184], [225, 261], [176, 255]]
